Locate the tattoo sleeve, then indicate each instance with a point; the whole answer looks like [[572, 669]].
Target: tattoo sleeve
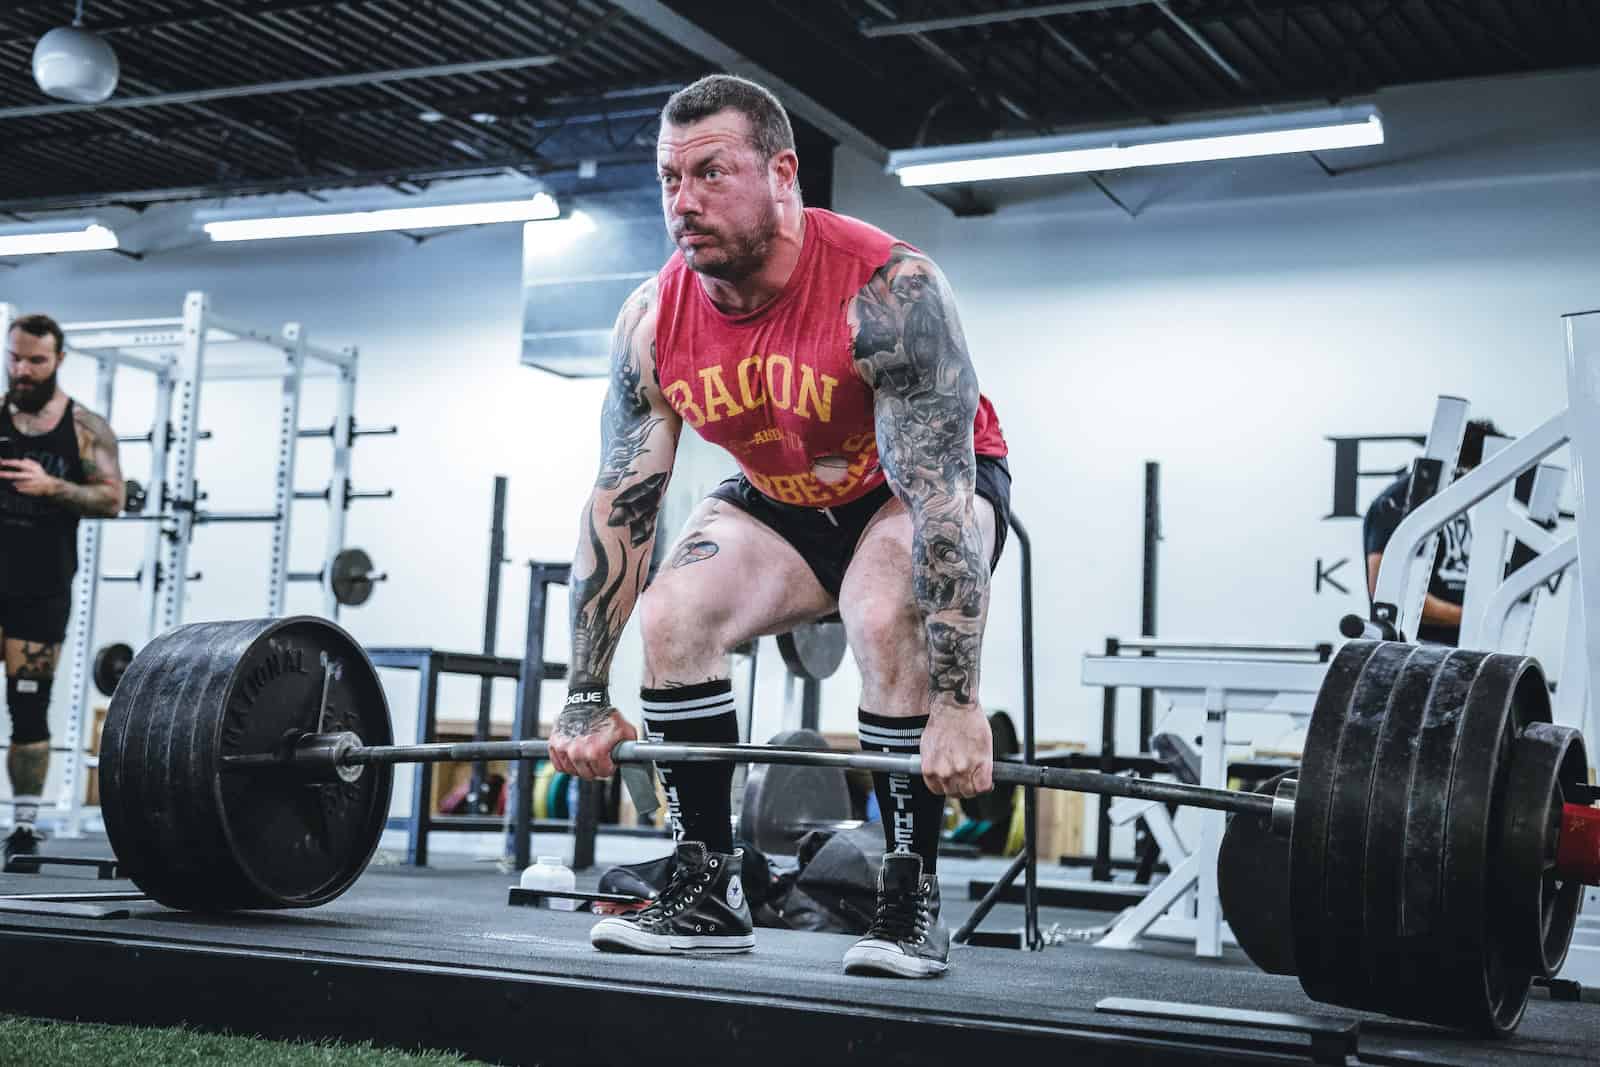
[[910, 349], [100, 494], [617, 529]]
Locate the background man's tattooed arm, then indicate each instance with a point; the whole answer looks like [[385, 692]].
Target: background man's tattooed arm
[[909, 347], [617, 530], [100, 495]]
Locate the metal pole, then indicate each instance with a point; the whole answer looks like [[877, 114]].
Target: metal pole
[[86, 589], [1101, 872], [339, 480], [491, 626], [1147, 607], [283, 493], [1030, 801], [174, 555], [1005, 772]]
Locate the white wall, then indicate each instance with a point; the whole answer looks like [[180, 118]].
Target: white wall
[[1250, 309]]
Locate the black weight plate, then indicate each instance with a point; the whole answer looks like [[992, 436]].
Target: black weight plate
[[302, 844], [195, 837], [167, 844], [1541, 910], [814, 650], [351, 579], [1253, 886], [1389, 966], [1509, 694], [122, 769], [1348, 804], [1430, 796], [1420, 986], [782, 802], [1309, 842], [110, 663]]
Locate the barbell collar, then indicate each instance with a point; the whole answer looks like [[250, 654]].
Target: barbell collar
[[1283, 806], [320, 760]]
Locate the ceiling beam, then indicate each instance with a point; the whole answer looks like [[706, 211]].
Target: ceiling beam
[[688, 34]]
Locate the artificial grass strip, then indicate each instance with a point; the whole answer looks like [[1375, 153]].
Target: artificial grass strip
[[28, 1042]]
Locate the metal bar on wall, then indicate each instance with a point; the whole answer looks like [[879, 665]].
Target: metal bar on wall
[[85, 598], [293, 337], [339, 480], [174, 559], [491, 627]]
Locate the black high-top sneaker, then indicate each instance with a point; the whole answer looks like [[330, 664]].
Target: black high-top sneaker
[[24, 841], [702, 909], [906, 939]]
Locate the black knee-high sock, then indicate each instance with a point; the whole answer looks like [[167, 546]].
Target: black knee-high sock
[[698, 800], [912, 814]]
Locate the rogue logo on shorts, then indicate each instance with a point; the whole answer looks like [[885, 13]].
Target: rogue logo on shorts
[[759, 381]]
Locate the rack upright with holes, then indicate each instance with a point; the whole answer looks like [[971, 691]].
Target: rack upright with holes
[[183, 353]]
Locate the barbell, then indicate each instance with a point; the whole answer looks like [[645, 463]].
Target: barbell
[[1435, 851]]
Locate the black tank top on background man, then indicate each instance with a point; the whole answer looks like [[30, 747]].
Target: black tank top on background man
[[1448, 581], [38, 537]]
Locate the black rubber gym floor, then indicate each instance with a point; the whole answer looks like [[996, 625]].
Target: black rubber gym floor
[[437, 958]]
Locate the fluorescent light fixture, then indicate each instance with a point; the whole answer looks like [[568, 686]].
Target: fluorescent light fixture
[[92, 237], [539, 206], [552, 237], [1316, 130]]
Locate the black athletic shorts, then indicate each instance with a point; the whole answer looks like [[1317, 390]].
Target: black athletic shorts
[[41, 618], [826, 538]]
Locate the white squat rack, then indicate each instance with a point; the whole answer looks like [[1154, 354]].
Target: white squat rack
[[183, 353]]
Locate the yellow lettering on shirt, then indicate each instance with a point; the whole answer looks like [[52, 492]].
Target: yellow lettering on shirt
[[681, 397], [749, 374], [717, 395], [783, 377], [823, 400]]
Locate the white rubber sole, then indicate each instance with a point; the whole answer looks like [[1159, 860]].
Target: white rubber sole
[[883, 958], [618, 935]]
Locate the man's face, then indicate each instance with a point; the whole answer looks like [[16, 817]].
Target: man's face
[[718, 195], [32, 363]]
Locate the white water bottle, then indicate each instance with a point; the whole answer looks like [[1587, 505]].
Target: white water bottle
[[551, 875]]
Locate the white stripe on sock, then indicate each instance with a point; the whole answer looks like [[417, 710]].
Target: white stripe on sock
[[680, 716], [724, 699], [885, 736]]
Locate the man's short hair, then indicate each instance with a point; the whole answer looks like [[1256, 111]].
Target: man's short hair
[[41, 326], [1472, 441], [770, 131]]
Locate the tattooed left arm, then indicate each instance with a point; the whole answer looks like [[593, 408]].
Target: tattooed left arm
[[101, 493], [910, 349]]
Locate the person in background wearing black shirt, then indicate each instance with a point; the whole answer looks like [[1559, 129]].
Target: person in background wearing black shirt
[[58, 463], [1447, 585]]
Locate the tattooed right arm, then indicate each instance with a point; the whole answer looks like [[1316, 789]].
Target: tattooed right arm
[[616, 532]]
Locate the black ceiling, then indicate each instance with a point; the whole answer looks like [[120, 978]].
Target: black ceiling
[[898, 72]]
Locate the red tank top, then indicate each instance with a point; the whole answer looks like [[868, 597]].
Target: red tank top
[[778, 387]]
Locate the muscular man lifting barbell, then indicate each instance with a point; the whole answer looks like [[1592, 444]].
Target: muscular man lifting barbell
[[828, 358], [59, 464]]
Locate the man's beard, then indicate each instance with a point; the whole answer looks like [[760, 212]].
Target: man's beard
[[740, 257], [31, 399]]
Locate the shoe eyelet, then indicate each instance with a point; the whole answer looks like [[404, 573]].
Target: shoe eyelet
[[715, 863]]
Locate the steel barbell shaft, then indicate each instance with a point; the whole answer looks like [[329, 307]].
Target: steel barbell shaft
[[1005, 773]]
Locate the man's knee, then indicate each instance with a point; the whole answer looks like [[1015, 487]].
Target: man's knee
[[887, 639], [28, 701], [676, 619]]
